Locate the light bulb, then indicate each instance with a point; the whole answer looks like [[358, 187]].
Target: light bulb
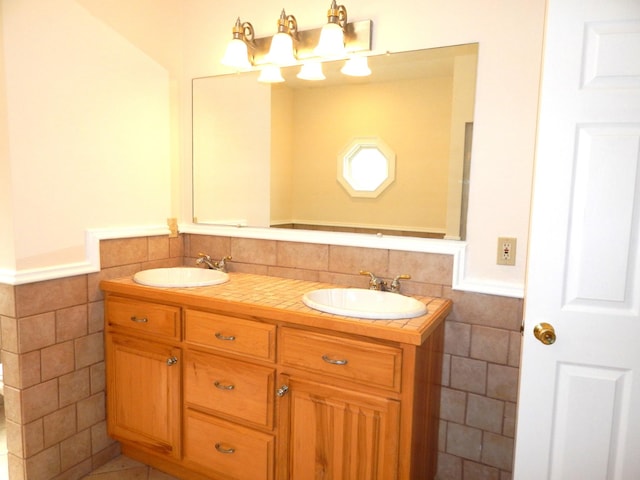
[[271, 74], [331, 43], [281, 51], [237, 55], [356, 67], [311, 71]]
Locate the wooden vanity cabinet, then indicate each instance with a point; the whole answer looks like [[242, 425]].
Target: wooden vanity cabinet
[[223, 450], [205, 394], [143, 375], [356, 408], [229, 395], [337, 433]]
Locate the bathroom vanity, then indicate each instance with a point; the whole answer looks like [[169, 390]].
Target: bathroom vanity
[[243, 381]]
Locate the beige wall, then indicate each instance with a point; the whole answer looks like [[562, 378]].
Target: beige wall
[[127, 77], [88, 130], [7, 251], [110, 65], [281, 164], [232, 183], [464, 95], [510, 49], [418, 197]]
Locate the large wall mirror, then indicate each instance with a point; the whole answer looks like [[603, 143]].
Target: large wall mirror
[[268, 155]]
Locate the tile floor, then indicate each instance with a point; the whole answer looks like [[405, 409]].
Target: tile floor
[[124, 468]]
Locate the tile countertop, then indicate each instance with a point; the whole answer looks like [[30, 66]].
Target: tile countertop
[[280, 299]]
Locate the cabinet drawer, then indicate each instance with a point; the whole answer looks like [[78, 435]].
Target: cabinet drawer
[[362, 362], [231, 450], [230, 387], [151, 318], [230, 334]]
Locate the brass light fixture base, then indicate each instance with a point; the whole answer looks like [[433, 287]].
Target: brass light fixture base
[[357, 38]]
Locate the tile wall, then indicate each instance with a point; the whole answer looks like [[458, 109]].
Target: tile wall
[[53, 357], [52, 335], [482, 339]]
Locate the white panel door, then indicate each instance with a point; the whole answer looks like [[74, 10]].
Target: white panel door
[[579, 404]]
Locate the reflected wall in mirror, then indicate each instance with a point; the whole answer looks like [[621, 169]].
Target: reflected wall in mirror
[[266, 155]]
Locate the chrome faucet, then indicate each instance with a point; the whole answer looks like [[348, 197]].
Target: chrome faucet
[[204, 259], [395, 284], [376, 283]]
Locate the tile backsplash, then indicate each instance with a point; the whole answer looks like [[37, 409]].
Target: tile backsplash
[[53, 356]]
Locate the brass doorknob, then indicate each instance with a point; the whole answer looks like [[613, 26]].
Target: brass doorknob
[[545, 333]]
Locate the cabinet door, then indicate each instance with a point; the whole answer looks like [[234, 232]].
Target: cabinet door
[[143, 393], [337, 434]]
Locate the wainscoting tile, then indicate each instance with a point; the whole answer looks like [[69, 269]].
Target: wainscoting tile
[[490, 344]]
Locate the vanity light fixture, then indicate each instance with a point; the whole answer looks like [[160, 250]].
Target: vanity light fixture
[[237, 53], [331, 43], [281, 51], [357, 66], [270, 74], [290, 46], [311, 70]]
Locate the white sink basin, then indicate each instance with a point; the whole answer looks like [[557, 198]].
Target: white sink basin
[[361, 303], [180, 277]]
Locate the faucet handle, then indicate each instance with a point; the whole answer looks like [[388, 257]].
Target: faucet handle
[[395, 284], [403, 276], [221, 265], [202, 258], [375, 283]]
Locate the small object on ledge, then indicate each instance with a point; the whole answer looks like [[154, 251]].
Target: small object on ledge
[[173, 227]]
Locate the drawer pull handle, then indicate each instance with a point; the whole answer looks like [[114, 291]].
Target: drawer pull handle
[[139, 320], [219, 385], [327, 359], [172, 361], [221, 449], [229, 338]]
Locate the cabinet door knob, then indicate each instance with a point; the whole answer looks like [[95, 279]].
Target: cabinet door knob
[[282, 391], [172, 361]]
